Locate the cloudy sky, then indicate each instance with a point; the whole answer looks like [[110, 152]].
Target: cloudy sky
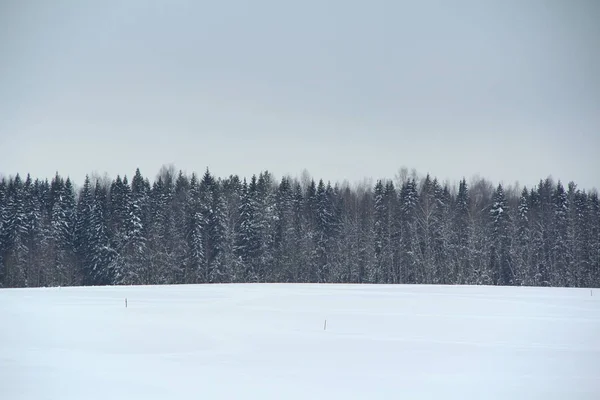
[[508, 90]]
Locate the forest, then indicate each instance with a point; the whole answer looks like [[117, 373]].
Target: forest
[[184, 229]]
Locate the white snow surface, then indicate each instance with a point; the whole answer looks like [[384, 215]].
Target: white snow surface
[[266, 341]]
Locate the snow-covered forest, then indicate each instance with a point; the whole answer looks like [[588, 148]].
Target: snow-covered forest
[[204, 229]]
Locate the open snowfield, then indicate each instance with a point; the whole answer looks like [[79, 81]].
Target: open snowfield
[[269, 342]]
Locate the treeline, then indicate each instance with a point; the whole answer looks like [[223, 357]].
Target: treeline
[[190, 229]]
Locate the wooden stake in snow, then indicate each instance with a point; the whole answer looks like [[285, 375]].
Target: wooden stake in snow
[[325, 326], [125, 302]]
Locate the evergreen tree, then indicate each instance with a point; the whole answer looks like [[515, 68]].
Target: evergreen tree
[[195, 260], [408, 237], [231, 195], [310, 233], [348, 268], [391, 253], [480, 239], [101, 252], [3, 228], [178, 219], [16, 252], [283, 239], [63, 269], [34, 239], [301, 242], [43, 237], [559, 252], [325, 231], [542, 224], [524, 274], [366, 242], [248, 244], [386, 268], [133, 255], [265, 220], [441, 232], [462, 232], [381, 230], [594, 263], [215, 228], [83, 232], [161, 233], [500, 260]]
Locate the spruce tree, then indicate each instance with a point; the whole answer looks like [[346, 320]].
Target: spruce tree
[[231, 190], [594, 263], [215, 228], [16, 251], [380, 228], [325, 231], [500, 260], [283, 236], [408, 237], [524, 274], [248, 240], [461, 260], [559, 248], [3, 228]]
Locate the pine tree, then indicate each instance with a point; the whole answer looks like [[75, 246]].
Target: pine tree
[[581, 242], [102, 254], [34, 239], [248, 240], [461, 238], [16, 251], [160, 233], [215, 228], [381, 230], [386, 270], [231, 195], [83, 232], [178, 219], [366, 242], [348, 267], [133, 254], [118, 212], [301, 241], [121, 225], [43, 234], [265, 220], [524, 274], [408, 237], [480, 239], [3, 229], [594, 263], [391, 253], [283, 238], [325, 231], [572, 266], [62, 254], [559, 249], [545, 230], [310, 233], [441, 232], [426, 210], [500, 260]]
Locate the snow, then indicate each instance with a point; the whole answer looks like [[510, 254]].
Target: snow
[[268, 342]]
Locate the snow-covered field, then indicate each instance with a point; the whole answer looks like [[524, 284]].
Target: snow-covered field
[[269, 342]]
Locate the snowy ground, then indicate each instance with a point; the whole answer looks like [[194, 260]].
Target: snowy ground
[[268, 342]]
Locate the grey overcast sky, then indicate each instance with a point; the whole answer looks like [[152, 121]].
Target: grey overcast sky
[[507, 89]]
